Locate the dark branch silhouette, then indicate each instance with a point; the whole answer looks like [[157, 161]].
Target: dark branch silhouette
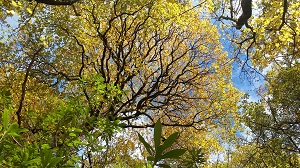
[[57, 2], [247, 12]]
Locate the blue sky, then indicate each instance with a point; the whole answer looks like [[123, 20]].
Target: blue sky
[[247, 84]]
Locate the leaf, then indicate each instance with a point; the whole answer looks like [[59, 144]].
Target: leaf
[[22, 130], [77, 130], [13, 128], [54, 162], [158, 153], [157, 134], [150, 158], [25, 155], [29, 10], [14, 3], [174, 154], [46, 157], [14, 134], [36, 160], [10, 12], [147, 146], [170, 140], [5, 119], [45, 146]]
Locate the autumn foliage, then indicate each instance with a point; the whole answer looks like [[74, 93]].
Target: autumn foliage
[[83, 83]]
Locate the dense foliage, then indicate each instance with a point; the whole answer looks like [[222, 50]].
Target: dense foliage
[[139, 83]]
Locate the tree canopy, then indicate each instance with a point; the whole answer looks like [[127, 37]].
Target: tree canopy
[[80, 78]]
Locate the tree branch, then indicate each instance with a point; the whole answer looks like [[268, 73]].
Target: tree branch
[[283, 20], [57, 2], [18, 112], [247, 12]]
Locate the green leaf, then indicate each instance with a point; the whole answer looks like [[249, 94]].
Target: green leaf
[[77, 130], [164, 165], [22, 130], [14, 130], [13, 127], [147, 146], [45, 157], [72, 134], [157, 134], [5, 117], [122, 125], [25, 155], [54, 162], [158, 153], [150, 158], [70, 144], [14, 134], [45, 146], [32, 161], [170, 140], [174, 154]]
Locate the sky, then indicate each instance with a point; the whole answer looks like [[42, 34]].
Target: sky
[[240, 80]]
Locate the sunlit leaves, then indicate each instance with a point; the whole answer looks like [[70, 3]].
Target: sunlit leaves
[[119, 64], [274, 121]]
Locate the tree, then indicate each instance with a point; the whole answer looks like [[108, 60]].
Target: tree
[[125, 63], [273, 124], [276, 117], [268, 43], [269, 35], [255, 155]]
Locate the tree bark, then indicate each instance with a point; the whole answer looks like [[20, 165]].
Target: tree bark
[[247, 12]]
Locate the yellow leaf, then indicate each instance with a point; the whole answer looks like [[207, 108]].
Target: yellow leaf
[[29, 10], [45, 44], [14, 3], [11, 12]]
